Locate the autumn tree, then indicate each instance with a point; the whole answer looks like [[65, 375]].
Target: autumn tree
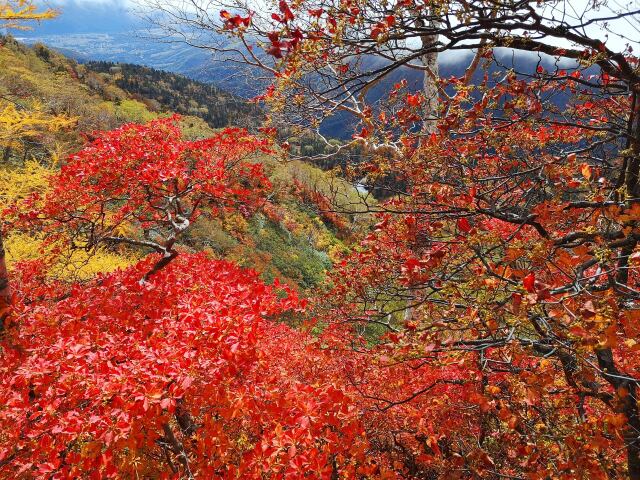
[[356, 46], [16, 123], [510, 231], [183, 376], [14, 13], [143, 186]]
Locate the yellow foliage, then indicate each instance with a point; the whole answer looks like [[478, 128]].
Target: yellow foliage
[[17, 124], [18, 121], [133, 111], [12, 12], [76, 265], [234, 222], [18, 183]]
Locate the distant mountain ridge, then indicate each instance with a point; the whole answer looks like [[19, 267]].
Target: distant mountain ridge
[[85, 16], [108, 31], [198, 65]]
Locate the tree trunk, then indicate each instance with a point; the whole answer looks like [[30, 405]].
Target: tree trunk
[[630, 401], [430, 91], [430, 87], [5, 290], [627, 388], [430, 81]]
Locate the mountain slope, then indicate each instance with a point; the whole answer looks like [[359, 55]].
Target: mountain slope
[[291, 238], [181, 95]]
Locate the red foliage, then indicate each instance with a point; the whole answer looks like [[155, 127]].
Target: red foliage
[[109, 371], [233, 22], [487, 327], [147, 179], [324, 205], [130, 172]]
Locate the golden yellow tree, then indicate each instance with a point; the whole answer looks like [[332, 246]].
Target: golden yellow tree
[[14, 13], [15, 123]]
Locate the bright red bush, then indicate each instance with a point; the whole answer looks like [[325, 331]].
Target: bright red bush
[[143, 185], [184, 373]]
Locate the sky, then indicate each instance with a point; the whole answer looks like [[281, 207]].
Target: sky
[[79, 16], [84, 16]]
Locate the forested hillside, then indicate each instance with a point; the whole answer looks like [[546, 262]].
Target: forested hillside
[[290, 238], [165, 91], [182, 95]]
